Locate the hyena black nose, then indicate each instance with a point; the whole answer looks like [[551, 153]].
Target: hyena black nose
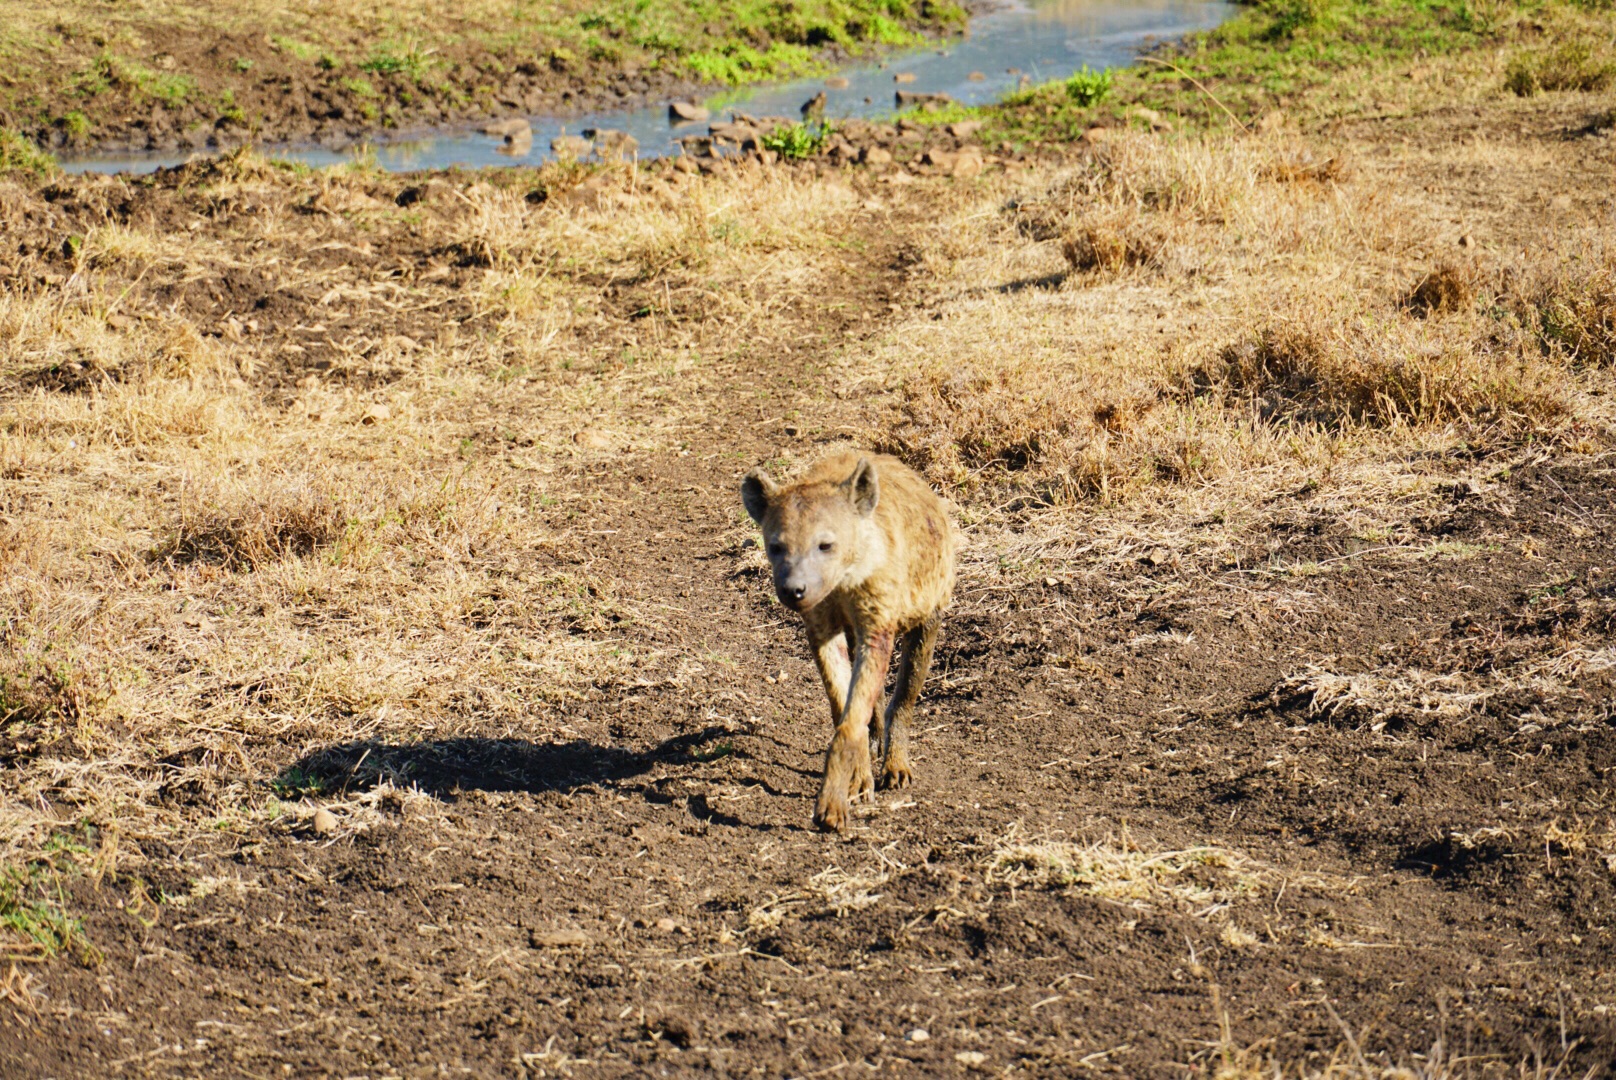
[[797, 593]]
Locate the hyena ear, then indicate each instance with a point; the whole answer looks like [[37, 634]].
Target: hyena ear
[[863, 488], [756, 491]]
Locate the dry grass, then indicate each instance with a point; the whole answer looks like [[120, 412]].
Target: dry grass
[[1239, 317], [1202, 880], [212, 568]]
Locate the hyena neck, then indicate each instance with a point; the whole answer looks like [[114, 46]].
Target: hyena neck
[[871, 545]]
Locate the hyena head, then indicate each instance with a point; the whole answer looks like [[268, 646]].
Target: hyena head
[[814, 531]]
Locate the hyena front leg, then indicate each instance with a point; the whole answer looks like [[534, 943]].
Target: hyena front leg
[[836, 672], [847, 763], [835, 669], [913, 667]]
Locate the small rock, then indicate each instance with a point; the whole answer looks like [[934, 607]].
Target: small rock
[[376, 414], [687, 112], [967, 164], [557, 939], [612, 141], [909, 98], [666, 925], [904, 77], [875, 155], [590, 439], [119, 322], [836, 82], [325, 822], [970, 1058], [1051, 582], [422, 193], [681, 1031], [898, 178], [943, 159], [1096, 135], [506, 127], [696, 146], [570, 147], [1467, 240], [1159, 557], [731, 132], [516, 144], [1155, 119], [814, 107], [918, 1035], [685, 165], [977, 76], [964, 129]]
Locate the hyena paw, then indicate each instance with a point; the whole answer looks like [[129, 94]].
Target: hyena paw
[[896, 773], [861, 785], [832, 812]]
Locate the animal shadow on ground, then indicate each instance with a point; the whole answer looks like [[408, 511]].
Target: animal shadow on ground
[[444, 768]]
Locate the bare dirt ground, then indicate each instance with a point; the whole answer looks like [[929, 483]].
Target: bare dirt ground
[[414, 499]]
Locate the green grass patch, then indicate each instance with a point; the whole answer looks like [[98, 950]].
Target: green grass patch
[[359, 87], [736, 64], [76, 124], [411, 62], [20, 155], [35, 923], [768, 40], [109, 72], [797, 141], [1087, 87], [1277, 53]]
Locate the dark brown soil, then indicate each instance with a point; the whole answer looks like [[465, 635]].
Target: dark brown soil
[[586, 899]]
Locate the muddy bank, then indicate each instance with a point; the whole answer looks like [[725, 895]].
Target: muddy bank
[[183, 90]]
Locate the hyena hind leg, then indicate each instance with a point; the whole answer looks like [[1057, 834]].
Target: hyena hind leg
[[913, 665]]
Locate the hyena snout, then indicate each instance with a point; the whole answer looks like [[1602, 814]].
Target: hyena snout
[[798, 588]]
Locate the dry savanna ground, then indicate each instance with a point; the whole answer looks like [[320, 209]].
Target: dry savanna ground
[[391, 684]]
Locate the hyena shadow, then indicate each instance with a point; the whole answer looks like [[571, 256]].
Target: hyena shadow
[[445, 768]]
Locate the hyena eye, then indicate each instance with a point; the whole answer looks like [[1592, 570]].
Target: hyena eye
[[826, 546]]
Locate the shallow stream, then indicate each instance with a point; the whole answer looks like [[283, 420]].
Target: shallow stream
[[1032, 39]]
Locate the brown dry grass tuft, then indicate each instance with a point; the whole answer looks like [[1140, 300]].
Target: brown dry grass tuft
[[1572, 309], [1112, 242], [249, 529], [1363, 372], [1445, 290]]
